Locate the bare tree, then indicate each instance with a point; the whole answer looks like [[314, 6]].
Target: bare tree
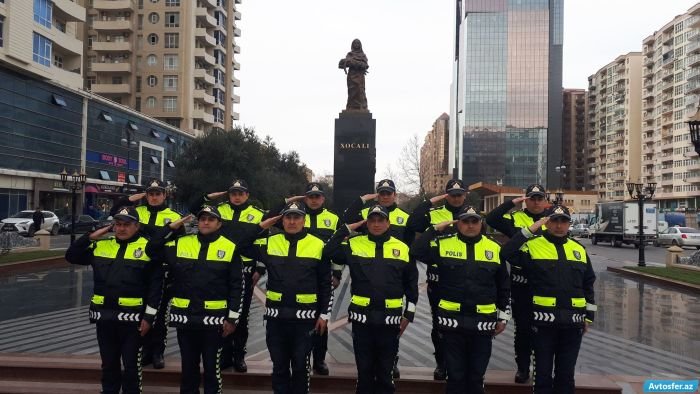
[[409, 167]]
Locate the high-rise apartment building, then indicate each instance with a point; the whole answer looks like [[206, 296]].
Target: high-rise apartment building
[[573, 164], [506, 99], [44, 38], [614, 126], [434, 167], [671, 89], [170, 59]]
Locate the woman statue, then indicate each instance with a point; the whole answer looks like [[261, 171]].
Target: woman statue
[[355, 66]]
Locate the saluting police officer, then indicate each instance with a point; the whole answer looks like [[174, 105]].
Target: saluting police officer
[[424, 216], [510, 223], [153, 216], [239, 216], [561, 278], [474, 303], [398, 221], [321, 222], [127, 290], [299, 297], [382, 273]]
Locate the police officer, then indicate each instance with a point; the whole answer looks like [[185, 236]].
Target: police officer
[[398, 220], [153, 216], [474, 303], [382, 273], [509, 223], [322, 223], [127, 291], [425, 215], [299, 297], [561, 277], [239, 216]]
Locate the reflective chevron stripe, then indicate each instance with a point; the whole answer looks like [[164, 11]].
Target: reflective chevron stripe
[[544, 316], [306, 314], [447, 322], [433, 277], [213, 320], [178, 318], [94, 315], [358, 317], [272, 312], [392, 320], [519, 278], [129, 316], [578, 318], [486, 326]]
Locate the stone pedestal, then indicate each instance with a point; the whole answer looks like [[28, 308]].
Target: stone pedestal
[[354, 157]]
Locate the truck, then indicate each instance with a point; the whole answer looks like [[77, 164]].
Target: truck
[[617, 222]]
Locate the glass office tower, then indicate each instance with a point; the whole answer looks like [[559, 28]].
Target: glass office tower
[[507, 91]]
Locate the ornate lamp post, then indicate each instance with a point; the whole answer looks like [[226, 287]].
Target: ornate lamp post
[[560, 169], [641, 193], [694, 126], [556, 198], [76, 183]]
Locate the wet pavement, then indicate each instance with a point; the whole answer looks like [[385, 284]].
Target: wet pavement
[[641, 329]]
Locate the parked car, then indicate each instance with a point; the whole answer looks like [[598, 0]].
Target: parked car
[[579, 230], [83, 224], [22, 223], [679, 236]]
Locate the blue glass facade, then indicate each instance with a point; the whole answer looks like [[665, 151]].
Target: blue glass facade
[[507, 107]]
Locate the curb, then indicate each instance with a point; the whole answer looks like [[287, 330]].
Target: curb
[[26, 266], [656, 279]]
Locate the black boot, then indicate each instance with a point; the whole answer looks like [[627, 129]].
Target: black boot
[[522, 376], [321, 368], [158, 361], [239, 365], [395, 372], [146, 359], [439, 373]]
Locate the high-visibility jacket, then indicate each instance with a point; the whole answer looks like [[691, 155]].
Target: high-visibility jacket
[[474, 284], [207, 279], [298, 283], [398, 219], [321, 223], [153, 218], [560, 276], [127, 284], [383, 275]]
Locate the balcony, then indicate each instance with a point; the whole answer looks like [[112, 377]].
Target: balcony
[[236, 98], [693, 47], [236, 49], [67, 42], [203, 116], [68, 11], [666, 86], [693, 22], [112, 25], [200, 73], [693, 177], [236, 65], [203, 16], [72, 79], [202, 54], [693, 87], [112, 5], [236, 32], [235, 82], [202, 95], [102, 88], [111, 67], [106, 46], [205, 37], [692, 60], [694, 35], [691, 101], [210, 3], [235, 115], [237, 15]]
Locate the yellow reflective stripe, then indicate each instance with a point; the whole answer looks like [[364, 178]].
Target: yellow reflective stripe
[[575, 252], [487, 250], [452, 247], [398, 217], [273, 295], [395, 249], [136, 250], [251, 215], [306, 298], [450, 306], [126, 301], [216, 304], [544, 301], [486, 308], [188, 247], [277, 245], [98, 299], [578, 302], [221, 250], [359, 300], [361, 246], [440, 215], [180, 302], [541, 249], [390, 303], [310, 247]]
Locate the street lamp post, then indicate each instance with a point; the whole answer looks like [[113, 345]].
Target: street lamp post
[[694, 126], [129, 142], [560, 169], [641, 193], [76, 183], [556, 198]]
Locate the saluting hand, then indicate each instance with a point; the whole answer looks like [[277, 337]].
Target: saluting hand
[[538, 224], [178, 223], [267, 223], [442, 226], [320, 327], [227, 329], [144, 328], [403, 326], [356, 225], [136, 197], [368, 197], [100, 232], [437, 199], [520, 199], [292, 199], [215, 195]]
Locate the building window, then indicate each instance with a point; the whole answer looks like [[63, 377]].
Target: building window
[[58, 61], [42, 12], [172, 19], [2, 25], [151, 102], [138, 104], [172, 3], [140, 21], [170, 62], [169, 104], [152, 80], [154, 1], [170, 83], [172, 40], [153, 38], [42, 50], [152, 60], [138, 84], [153, 17]]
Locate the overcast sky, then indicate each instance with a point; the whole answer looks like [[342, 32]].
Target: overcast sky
[[292, 90]]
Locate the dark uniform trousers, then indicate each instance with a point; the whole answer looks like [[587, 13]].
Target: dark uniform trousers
[[375, 348], [289, 343], [155, 341], [467, 354], [235, 344], [556, 350], [435, 334], [521, 297], [200, 344], [320, 343], [120, 342]]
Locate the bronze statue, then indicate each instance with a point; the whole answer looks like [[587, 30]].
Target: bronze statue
[[355, 66]]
